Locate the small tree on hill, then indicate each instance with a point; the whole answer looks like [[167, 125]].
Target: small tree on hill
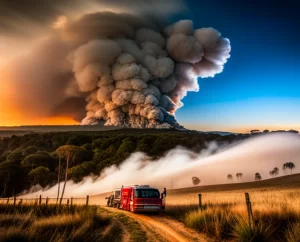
[[274, 172], [229, 177], [196, 181], [288, 165], [239, 175], [257, 176]]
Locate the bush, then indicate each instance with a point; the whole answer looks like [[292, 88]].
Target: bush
[[214, 222], [259, 232]]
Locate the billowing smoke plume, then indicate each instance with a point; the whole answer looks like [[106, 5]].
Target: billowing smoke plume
[[126, 70], [139, 75]]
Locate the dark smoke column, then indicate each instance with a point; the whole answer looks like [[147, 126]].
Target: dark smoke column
[[134, 75]]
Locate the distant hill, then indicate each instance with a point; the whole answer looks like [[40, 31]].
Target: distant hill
[[21, 130], [220, 133], [288, 181]]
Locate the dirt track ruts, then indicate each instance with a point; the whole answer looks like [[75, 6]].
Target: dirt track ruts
[[163, 228]]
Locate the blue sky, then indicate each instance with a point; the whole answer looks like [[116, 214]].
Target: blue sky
[[259, 87]]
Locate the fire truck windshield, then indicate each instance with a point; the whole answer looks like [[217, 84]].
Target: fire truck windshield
[[146, 193]]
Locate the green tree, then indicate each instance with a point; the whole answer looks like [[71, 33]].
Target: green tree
[[36, 160], [15, 157], [126, 148], [41, 175], [145, 144], [74, 140], [76, 173], [29, 150]]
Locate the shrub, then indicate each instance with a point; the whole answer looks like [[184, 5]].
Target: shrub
[[214, 222], [259, 232]]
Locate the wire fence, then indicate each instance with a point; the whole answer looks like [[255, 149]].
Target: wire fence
[[44, 201]]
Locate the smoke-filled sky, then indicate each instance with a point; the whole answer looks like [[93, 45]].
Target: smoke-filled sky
[[258, 87]]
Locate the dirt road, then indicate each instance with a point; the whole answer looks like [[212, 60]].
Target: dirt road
[[160, 227]]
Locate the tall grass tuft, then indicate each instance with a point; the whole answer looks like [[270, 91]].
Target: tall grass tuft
[[293, 232], [212, 221], [259, 232]]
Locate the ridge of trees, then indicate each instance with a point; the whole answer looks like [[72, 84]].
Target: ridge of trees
[[38, 158]]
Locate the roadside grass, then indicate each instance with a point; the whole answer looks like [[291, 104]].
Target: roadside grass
[[260, 231], [293, 232], [137, 234], [224, 215], [213, 222], [78, 224], [42, 210]]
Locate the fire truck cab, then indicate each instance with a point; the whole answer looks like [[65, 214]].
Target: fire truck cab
[[141, 198]]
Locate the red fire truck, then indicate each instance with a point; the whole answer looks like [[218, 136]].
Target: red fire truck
[[137, 198]]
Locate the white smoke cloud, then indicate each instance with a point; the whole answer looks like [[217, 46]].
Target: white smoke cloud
[[258, 154]]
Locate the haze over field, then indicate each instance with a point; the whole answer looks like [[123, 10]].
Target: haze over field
[[212, 165]]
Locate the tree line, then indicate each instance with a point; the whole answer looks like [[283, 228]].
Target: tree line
[[45, 159]]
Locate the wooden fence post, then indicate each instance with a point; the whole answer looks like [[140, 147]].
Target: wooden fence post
[[249, 210], [47, 200], [15, 200], [7, 201], [200, 202], [21, 201], [40, 200], [87, 200], [71, 201], [68, 201]]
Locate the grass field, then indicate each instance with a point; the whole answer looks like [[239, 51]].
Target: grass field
[[275, 204], [41, 223], [223, 217]]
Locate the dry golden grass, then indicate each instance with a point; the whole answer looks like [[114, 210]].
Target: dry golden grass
[[224, 216], [81, 224]]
